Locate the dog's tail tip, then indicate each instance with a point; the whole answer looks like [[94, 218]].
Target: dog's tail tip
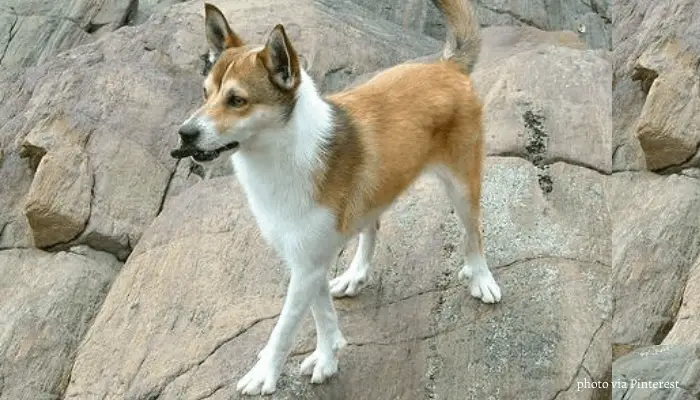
[[463, 43]]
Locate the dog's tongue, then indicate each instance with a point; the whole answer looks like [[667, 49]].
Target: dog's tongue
[[182, 153]]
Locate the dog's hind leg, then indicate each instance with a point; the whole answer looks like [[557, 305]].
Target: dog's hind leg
[[323, 362], [355, 277], [462, 182]]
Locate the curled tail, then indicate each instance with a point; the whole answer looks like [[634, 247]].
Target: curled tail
[[463, 43]]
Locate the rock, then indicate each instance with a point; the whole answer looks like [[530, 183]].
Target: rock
[[658, 372], [656, 242], [15, 172], [369, 44], [685, 327], [628, 100], [548, 105], [501, 42], [316, 26], [591, 19], [538, 217], [669, 123], [202, 281], [148, 7], [47, 303], [58, 202], [121, 101], [656, 84], [35, 30], [414, 15]]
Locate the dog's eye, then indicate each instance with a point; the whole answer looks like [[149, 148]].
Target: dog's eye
[[236, 101]]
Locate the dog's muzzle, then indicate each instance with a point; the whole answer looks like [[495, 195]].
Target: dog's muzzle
[[201, 155]]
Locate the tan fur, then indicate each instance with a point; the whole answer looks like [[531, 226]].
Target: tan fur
[[409, 117]]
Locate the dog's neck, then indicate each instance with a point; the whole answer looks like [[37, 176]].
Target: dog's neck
[[289, 158]]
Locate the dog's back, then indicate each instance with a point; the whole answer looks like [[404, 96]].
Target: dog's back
[[407, 118]]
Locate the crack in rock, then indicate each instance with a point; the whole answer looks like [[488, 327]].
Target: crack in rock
[[157, 391], [515, 16], [583, 359], [167, 187], [10, 36]]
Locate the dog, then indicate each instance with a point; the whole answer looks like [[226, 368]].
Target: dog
[[319, 170]]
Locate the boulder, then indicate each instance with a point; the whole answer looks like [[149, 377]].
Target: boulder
[[58, 203], [115, 104], [47, 303], [656, 85], [658, 372], [85, 148], [547, 105], [655, 244], [685, 327], [35, 30]]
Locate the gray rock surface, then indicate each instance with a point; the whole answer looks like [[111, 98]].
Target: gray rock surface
[[35, 30], [657, 47], [658, 372], [592, 19], [533, 102], [655, 228], [655, 244], [47, 303], [685, 329]]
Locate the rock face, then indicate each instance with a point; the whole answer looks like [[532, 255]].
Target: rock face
[[656, 84], [152, 282], [655, 245], [675, 369], [592, 19], [58, 203], [47, 303], [685, 329], [537, 91], [655, 215], [35, 30]]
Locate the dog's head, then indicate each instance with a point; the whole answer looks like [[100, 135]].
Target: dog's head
[[249, 91]]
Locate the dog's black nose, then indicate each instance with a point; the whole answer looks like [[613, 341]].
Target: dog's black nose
[[189, 133]]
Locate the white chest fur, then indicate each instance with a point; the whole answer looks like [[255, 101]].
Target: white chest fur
[[277, 176]]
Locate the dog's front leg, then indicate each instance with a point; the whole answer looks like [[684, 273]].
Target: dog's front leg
[[323, 362], [303, 286]]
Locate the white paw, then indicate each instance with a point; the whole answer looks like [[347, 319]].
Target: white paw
[[261, 379], [349, 283], [320, 366], [482, 286]]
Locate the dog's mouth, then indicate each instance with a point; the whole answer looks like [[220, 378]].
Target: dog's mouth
[[201, 155]]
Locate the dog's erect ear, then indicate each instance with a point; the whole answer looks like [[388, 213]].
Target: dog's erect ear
[[219, 33], [281, 60]]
